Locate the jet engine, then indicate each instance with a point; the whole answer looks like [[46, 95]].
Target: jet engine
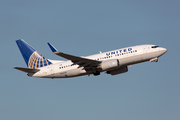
[[118, 70], [109, 64]]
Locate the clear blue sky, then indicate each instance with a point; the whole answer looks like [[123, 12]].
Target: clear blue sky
[[149, 91]]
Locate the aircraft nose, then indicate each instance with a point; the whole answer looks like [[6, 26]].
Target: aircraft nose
[[164, 50]]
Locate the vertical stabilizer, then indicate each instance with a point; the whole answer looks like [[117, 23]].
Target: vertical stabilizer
[[32, 58]]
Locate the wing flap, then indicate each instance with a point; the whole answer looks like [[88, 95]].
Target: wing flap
[[27, 70]]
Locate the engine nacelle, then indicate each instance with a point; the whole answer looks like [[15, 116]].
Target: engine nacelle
[[109, 64], [118, 70]]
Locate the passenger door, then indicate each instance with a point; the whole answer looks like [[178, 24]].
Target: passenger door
[[144, 49]]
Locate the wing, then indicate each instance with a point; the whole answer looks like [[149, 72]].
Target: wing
[[27, 70], [76, 60]]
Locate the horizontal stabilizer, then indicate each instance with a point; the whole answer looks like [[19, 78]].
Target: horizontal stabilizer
[[27, 70]]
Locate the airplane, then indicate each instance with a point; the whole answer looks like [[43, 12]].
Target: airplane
[[112, 62]]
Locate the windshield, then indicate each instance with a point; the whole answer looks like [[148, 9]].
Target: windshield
[[154, 46]]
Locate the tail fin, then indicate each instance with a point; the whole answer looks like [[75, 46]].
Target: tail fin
[[32, 58]]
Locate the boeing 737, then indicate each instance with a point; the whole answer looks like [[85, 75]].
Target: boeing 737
[[112, 62]]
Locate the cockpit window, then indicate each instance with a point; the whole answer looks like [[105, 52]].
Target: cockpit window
[[154, 46]]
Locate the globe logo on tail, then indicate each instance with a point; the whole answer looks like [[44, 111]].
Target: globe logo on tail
[[37, 60]]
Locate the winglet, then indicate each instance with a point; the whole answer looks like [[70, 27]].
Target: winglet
[[52, 48]]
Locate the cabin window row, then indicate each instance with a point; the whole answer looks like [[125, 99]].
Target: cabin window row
[[116, 55], [66, 66], [126, 53]]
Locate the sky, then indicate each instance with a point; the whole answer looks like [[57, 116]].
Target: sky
[[148, 91]]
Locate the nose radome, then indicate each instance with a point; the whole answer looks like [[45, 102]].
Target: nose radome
[[164, 50]]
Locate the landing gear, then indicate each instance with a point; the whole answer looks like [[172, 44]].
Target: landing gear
[[154, 60], [96, 73]]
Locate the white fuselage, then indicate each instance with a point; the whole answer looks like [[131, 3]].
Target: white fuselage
[[126, 56]]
